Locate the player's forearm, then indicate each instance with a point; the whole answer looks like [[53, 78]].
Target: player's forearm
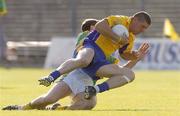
[[128, 56], [104, 28], [131, 63]]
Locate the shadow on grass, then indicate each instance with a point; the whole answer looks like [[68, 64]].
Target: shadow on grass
[[130, 110], [7, 87]]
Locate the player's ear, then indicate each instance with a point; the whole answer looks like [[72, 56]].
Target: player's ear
[[132, 18], [135, 19]]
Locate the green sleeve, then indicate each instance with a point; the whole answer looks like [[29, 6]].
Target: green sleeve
[[81, 37], [112, 59]]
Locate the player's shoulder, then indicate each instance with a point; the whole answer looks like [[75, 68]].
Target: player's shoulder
[[119, 16], [83, 33]]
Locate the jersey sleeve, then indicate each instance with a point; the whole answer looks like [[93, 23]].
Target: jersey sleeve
[[114, 20], [117, 19], [81, 37], [131, 44]]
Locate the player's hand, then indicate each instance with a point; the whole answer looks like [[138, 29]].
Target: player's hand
[[46, 81], [142, 51], [124, 39]]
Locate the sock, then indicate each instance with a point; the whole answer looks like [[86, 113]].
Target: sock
[[102, 87], [97, 88], [55, 74]]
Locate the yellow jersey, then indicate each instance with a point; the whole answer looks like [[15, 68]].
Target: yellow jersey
[[106, 44]]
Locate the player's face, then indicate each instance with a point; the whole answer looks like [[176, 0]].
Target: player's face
[[92, 27], [137, 26]]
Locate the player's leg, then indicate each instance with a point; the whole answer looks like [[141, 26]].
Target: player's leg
[[80, 103], [73, 83], [58, 91], [77, 83], [117, 80], [77, 80], [118, 76], [127, 75], [83, 59]]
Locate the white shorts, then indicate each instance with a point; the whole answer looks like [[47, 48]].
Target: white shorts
[[77, 80]]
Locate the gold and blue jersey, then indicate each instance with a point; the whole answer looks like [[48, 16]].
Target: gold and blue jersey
[[104, 47], [79, 45], [106, 44]]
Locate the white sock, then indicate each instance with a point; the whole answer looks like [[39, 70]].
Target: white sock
[[97, 88]]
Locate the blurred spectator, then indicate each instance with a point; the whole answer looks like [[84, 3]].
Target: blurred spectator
[[3, 11], [2, 45], [11, 54], [3, 8]]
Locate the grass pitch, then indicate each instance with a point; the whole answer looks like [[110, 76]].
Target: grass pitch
[[153, 93]]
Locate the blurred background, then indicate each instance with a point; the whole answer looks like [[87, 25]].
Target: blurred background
[[27, 28], [39, 34]]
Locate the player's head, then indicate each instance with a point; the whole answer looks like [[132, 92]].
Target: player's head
[[140, 22], [88, 24]]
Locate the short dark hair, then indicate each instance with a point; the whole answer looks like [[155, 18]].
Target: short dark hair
[[143, 16], [87, 23]]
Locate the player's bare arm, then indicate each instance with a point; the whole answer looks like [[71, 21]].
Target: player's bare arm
[[130, 55], [104, 28], [141, 53], [134, 54]]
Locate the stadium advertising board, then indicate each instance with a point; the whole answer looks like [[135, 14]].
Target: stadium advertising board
[[164, 54]]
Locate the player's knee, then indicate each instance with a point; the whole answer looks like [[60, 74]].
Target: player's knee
[[83, 62], [130, 75], [89, 105], [86, 104]]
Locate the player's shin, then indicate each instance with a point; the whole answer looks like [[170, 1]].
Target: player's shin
[[27, 107], [113, 82], [118, 81]]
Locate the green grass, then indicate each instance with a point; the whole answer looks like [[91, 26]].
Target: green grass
[[153, 93]]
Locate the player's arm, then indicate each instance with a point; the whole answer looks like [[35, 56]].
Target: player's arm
[[126, 51], [46, 81], [129, 55], [142, 51], [131, 63], [103, 28]]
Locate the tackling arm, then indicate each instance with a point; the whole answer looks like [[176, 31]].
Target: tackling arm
[[131, 63], [104, 28], [141, 53], [128, 56]]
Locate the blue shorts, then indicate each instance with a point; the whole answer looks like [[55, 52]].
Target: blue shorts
[[98, 61]]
